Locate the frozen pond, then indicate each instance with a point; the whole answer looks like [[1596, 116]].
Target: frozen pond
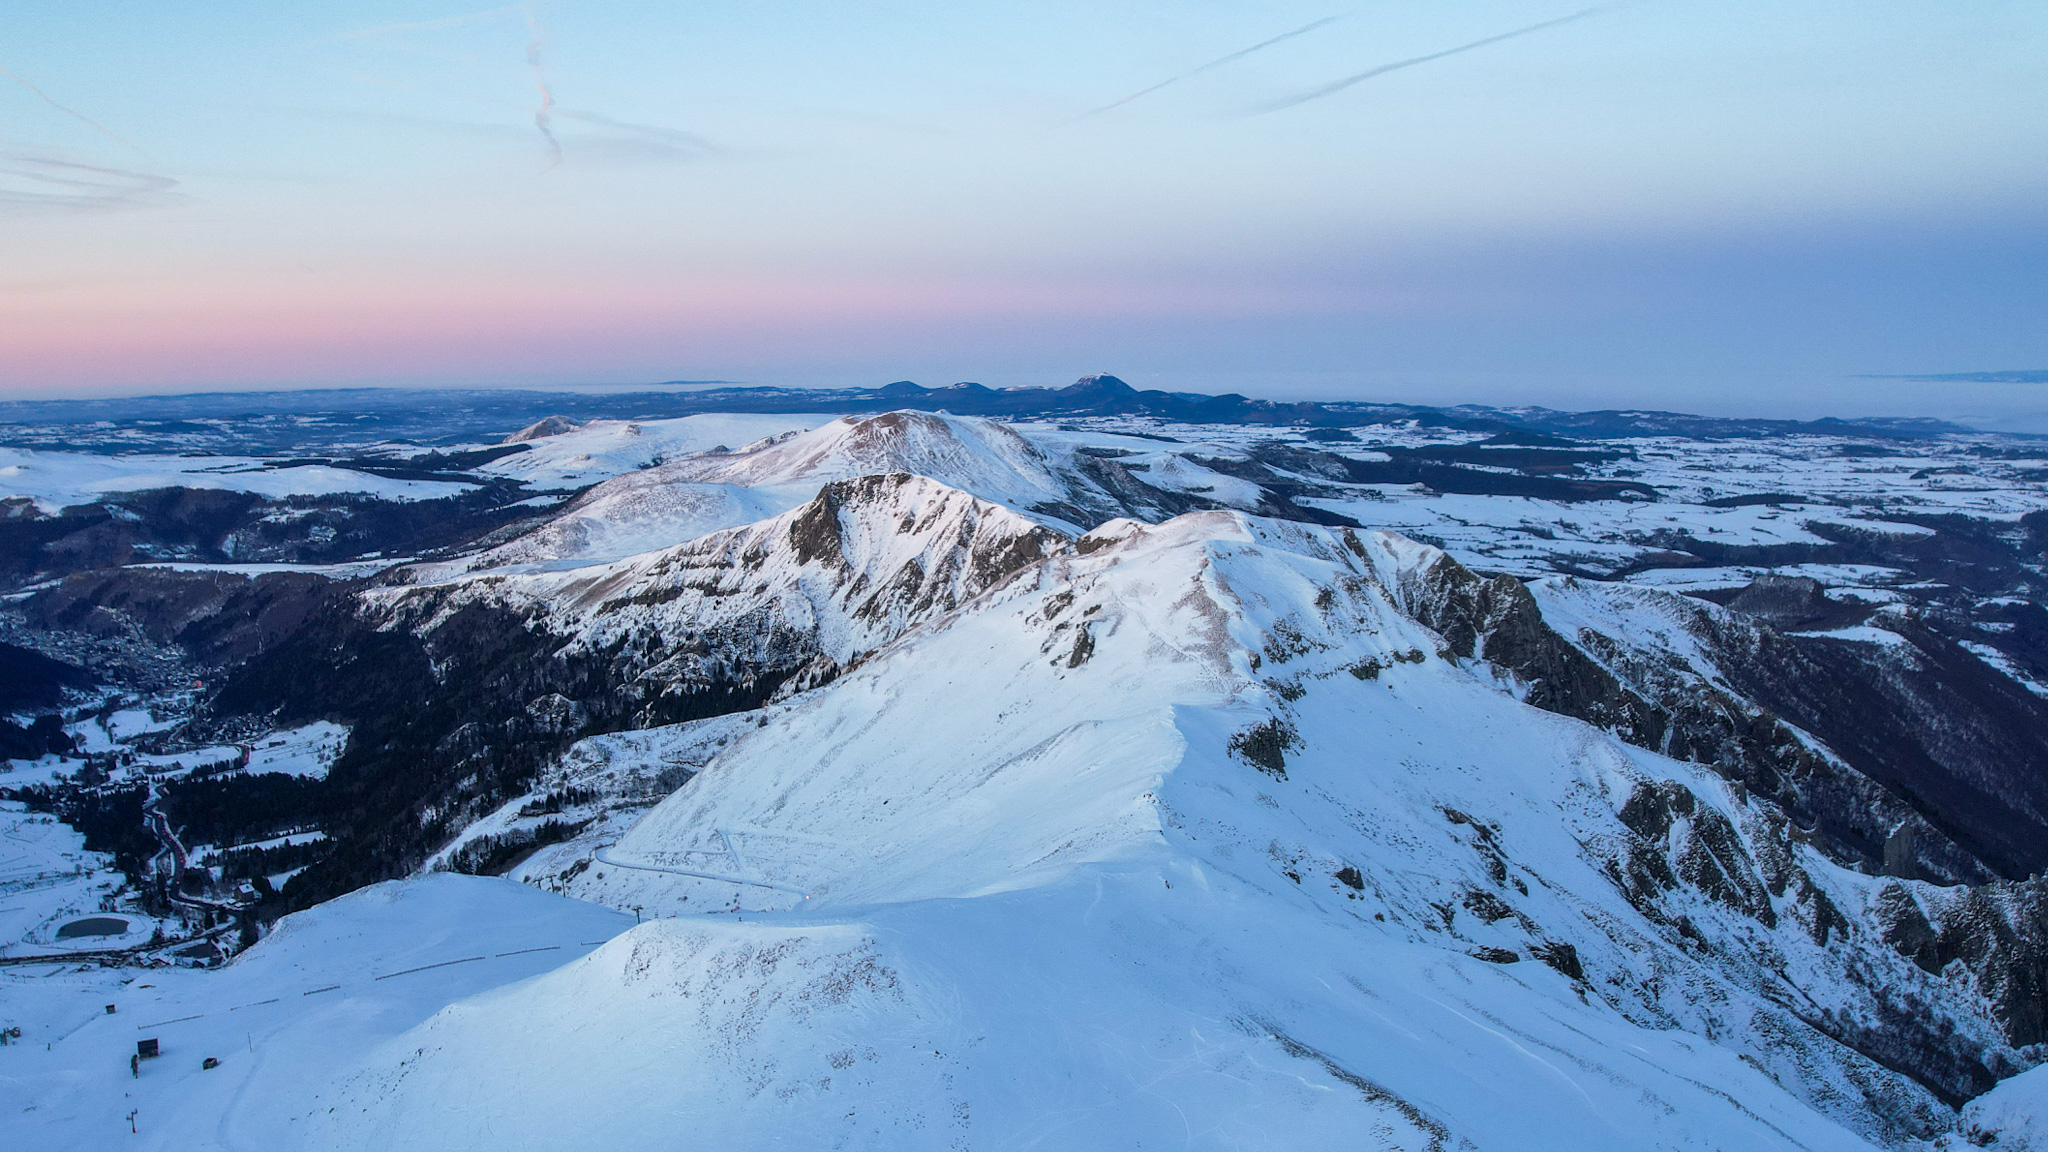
[[94, 926]]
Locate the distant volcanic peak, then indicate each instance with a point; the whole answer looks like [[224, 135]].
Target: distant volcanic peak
[[541, 429], [1099, 386]]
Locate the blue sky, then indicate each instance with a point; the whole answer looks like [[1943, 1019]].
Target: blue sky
[[1718, 207]]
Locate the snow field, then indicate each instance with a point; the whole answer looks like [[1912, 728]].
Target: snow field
[[602, 449], [324, 990], [58, 480], [48, 879]]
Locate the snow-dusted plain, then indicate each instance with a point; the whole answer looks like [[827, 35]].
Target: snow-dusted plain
[[57, 480], [1820, 479], [308, 750]]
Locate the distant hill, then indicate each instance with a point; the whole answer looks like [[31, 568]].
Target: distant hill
[[263, 422]]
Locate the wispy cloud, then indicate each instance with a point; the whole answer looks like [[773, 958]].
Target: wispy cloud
[[542, 115], [624, 136], [670, 139], [1212, 65], [71, 112], [31, 182], [1337, 86]]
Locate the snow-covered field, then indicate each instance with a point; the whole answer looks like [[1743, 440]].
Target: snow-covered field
[[1829, 479], [305, 751], [49, 880], [57, 480], [328, 988]]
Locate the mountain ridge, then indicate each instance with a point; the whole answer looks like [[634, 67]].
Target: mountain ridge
[[1235, 725]]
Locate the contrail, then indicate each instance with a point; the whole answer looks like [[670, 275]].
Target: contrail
[[673, 137], [1348, 81], [544, 115], [1219, 62], [46, 182], [79, 116]]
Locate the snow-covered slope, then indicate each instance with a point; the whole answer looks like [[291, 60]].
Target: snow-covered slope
[[1192, 834], [2012, 1117], [979, 456], [630, 514], [572, 455], [326, 988]]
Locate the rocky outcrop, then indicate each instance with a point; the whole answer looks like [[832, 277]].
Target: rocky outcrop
[[541, 429], [1497, 621]]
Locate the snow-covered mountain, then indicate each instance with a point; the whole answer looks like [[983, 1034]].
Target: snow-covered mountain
[[640, 511], [980, 456], [655, 504], [997, 788], [1196, 832], [850, 569]]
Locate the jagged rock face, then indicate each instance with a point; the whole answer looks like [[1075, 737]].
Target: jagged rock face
[[1496, 620], [1994, 932], [1992, 937], [1655, 691], [1789, 602], [1642, 690], [1856, 740], [1660, 648]]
